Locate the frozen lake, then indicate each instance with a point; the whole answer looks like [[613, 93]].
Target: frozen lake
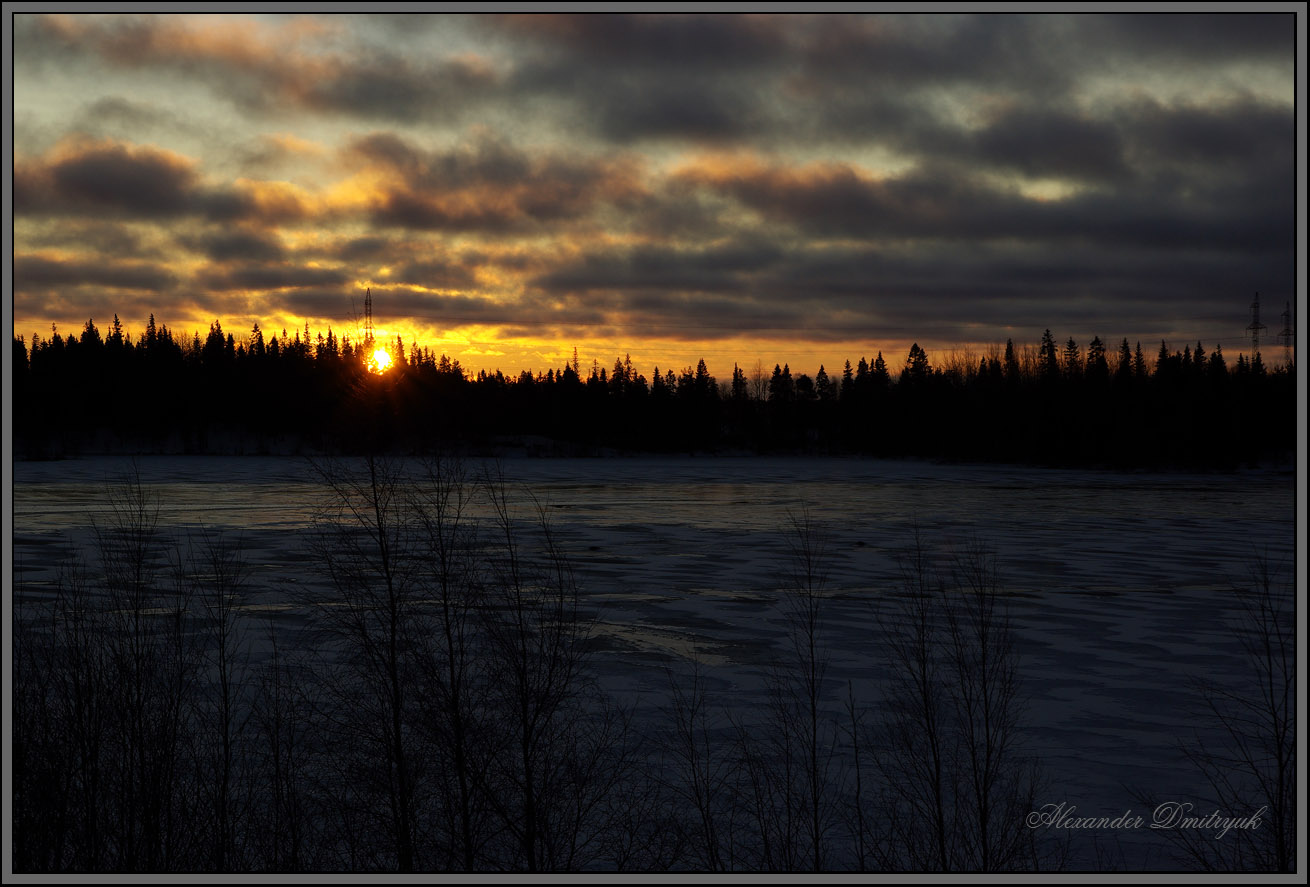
[[1121, 584]]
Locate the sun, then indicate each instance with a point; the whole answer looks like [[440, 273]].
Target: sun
[[381, 361]]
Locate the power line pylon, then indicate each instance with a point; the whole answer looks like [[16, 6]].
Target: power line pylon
[[368, 320], [1287, 335], [1255, 327]]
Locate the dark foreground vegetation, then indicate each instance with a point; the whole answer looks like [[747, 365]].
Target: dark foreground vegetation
[[426, 700], [1053, 404]]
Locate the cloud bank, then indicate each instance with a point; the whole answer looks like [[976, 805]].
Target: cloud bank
[[738, 184]]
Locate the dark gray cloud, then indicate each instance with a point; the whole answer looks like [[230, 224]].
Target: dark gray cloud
[[112, 239], [248, 246], [658, 40], [899, 53], [678, 107], [265, 69], [271, 276], [1170, 212], [486, 160], [676, 212], [342, 309], [1000, 282], [36, 273], [665, 271], [838, 293], [1240, 137], [703, 78], [485, 184], [1235, 140], [1042, 143], [627, 77], [232, 205], [124, 117], [404, 261], [359, 249], [106, 178], [436, 275], [1201, 37], [846, 116], [404, 209], [392, 88]]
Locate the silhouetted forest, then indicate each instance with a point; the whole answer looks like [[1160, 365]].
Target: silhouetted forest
[[1054, 404]]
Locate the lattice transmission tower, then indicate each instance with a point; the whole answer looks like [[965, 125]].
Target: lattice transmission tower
[[1255, 327], [368, 320], [1287, 334]]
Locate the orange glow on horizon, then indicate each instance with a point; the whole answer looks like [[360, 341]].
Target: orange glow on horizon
[[484, 348], [478, 347]]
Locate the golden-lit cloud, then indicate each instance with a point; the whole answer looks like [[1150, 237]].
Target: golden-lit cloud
[[275, 202], [294, 145]]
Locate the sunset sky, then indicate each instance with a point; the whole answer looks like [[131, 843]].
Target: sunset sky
[[802, 189]]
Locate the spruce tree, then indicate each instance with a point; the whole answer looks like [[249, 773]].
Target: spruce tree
[[1139, 363], [115, 340], [1098, 370], [1162, 361], [1012, 362], [1073, 360], [1124, 372], [1047, 357], [739, 389], [706, 387], [1218, 367], [823, 386], [879, 375], [91, 337], [781, 387], [917, 367]]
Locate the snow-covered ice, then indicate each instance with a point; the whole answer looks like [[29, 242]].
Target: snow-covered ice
[[1120, 584]]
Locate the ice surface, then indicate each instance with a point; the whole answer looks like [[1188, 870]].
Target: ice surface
[[1120, 584]]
